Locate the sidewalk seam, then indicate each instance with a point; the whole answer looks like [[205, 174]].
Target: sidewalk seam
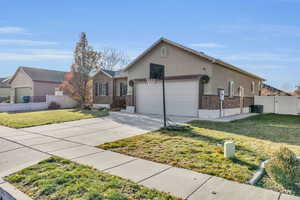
[[279, 196], [199, 187], [120, 164], [157, 173], [86, 155]]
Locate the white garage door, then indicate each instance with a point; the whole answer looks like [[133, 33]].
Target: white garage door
[[181, 98]]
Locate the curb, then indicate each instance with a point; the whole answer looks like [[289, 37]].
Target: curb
[[260, 172], [10, 192]]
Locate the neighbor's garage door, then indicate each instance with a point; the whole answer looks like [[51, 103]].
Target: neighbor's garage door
[[181, 98], [20, 92]]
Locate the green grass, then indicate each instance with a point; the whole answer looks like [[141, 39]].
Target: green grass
[[256, 139], [59, 179], [267, 182], [29, 119]]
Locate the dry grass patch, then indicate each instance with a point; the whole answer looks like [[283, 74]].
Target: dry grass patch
[[37, 118], [56, 178]]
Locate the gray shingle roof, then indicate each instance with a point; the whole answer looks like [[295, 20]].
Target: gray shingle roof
[[110, 72], [4, 83], [37, 74]]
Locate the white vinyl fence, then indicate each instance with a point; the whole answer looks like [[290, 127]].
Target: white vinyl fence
[[289, 105], [63, 101]]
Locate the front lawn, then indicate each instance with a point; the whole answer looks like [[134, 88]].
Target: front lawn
[[198, 149], [56, 178], [37, 118]]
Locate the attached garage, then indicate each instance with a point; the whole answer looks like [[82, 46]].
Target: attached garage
[[20, 92], [181, 98]]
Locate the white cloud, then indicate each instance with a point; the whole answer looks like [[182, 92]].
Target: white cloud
[[11, 29], [36, 55], [26, 42], [207, 45]]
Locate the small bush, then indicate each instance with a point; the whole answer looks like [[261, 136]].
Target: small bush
[[87, 107], [283, 168], [53, 105], [102, 109]]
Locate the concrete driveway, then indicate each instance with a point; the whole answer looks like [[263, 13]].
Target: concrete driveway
[[97, 131]]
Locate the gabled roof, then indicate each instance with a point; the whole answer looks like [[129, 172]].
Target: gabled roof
[[275, 89], [113, 74], [197, 53], [110, 72], [44, 75]]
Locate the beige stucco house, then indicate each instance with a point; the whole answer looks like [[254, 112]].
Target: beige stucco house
[[35, 83], [193, 84], [187, 93], [4, 89]]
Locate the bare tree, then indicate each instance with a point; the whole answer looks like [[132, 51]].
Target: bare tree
[[113, 59], [297, 91], [86, 63]]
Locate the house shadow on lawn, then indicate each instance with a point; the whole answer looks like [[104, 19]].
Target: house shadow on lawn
[[271, 127], [93, 113]]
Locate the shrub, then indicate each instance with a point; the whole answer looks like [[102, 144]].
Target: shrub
[[87, 107], [53, 105], [283, 168]]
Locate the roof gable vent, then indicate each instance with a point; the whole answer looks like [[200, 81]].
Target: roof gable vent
[[163, 52]]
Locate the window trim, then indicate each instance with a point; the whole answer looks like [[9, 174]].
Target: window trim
[[123, 91], [241, 91], [253, 87], [103, 89], [96, 86], [231, 89]]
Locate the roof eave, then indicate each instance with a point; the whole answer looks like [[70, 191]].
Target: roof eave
[[211, 59]]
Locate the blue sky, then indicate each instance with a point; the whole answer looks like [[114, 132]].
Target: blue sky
[[262, 37]]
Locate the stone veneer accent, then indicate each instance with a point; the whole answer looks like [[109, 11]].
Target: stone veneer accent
[[129, 100], [212, 102]]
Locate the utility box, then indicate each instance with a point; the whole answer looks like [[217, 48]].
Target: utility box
[[229, 149]]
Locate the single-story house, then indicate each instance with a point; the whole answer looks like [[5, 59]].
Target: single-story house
[[35, 83], [193, 83], [4, 87], [110, 89], [268, 90]]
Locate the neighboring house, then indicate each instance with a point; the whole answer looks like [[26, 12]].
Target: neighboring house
[[296, 92], [186, 94], [110, 89], [268, 90], [34, 82], [4, 88]]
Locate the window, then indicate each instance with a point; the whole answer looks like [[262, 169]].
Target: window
[[103, 89], [96, 89], [123, 89], [231, 89], [253, 87]]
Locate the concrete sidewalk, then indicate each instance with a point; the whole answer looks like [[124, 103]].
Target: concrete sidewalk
[[22, 148]]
